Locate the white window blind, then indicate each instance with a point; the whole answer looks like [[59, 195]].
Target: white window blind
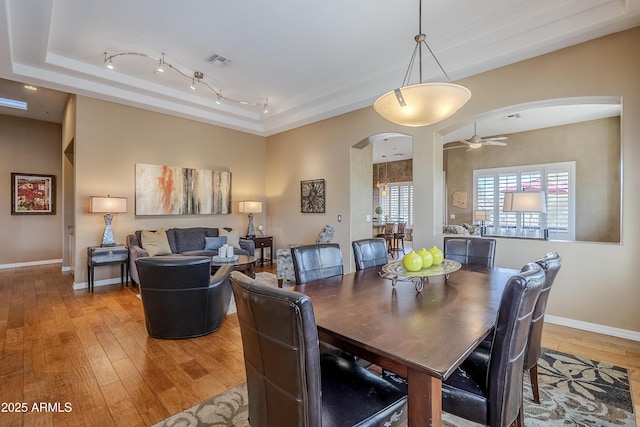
[[556, 179], [398, 203]]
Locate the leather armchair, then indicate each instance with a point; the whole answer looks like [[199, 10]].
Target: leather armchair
[[289, 383], [369, 253], [489, 390], [314, 262], [179, 296], [284, 262], [470, 250]]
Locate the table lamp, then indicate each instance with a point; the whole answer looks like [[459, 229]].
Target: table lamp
[[250, 207], [108, 206], [526, 201], [482, 216]]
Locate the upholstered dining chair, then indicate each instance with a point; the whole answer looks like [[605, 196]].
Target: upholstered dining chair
[[314, 262], [289, 382], [370, 253], [284, 262], [470, 250], [551, 264], [489, 391], [180, 298]]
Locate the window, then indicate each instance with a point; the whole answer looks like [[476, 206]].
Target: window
[[398, 203], [557, 180]]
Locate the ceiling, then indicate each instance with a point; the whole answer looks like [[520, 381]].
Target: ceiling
[[310, 60]]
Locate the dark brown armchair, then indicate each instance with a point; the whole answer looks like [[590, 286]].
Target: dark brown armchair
[[179, 296]]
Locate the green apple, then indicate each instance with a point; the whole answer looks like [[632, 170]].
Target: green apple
[[437, 254], [412, 261], [427, 258]]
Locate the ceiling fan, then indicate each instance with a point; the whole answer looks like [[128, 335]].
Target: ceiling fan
[[476, 142]]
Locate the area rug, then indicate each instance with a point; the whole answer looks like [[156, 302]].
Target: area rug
[[573, 391]]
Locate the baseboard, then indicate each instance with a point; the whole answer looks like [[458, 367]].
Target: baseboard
[[30, 263], [593, 327], [98, 283]]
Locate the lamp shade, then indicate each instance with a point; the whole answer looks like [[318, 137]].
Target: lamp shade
[[481, 215], [525, 201], [98, 204], [250, 206], [422, 104]]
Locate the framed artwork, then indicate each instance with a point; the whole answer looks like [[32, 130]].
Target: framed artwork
[[312, 196], [171, 190], [33, 194]]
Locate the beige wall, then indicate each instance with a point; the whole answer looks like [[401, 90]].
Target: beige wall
[[596, 285], [110, 139], [29, 146], [595, 148]]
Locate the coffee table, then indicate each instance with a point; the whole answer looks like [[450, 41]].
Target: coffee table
[[243, 264]]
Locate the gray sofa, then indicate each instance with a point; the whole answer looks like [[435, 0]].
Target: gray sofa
[[182, 241]]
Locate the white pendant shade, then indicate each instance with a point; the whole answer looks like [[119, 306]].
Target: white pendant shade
[[425, 103]]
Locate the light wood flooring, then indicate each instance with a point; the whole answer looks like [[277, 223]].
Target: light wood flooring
[[89, 359]]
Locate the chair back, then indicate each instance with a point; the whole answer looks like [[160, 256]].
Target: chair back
[[506, 361], [179, 296], [400, 229], [470, 250], [282, 359], [389, 228], [551, 264], [369, 253], [315, 262], [326, 234]]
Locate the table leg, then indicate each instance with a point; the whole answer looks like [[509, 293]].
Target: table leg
[[425, 399]]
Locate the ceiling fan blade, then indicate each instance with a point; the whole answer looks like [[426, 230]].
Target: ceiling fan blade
[[496, 138], [502, 144]]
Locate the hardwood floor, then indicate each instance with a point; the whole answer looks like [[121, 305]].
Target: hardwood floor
[[89, 360]]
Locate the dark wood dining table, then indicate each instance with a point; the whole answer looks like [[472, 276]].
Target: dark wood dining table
[[421, 336]]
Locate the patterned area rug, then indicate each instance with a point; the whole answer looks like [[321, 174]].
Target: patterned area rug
[[573, 392]]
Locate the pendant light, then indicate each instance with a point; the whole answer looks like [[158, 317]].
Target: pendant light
[[421, 104]]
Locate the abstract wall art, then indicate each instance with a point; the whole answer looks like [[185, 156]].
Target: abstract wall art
[[33, 194], [170, 190], [312, 196]]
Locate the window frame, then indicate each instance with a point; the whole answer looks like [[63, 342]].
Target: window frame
[[384, 202]]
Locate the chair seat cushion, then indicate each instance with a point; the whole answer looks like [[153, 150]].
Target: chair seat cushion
[[344, 387]]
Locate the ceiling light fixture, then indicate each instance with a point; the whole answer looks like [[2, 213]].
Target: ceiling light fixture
[[30, 87], [196, 78], [421, 104]]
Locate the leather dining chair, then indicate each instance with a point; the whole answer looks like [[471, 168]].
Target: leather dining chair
[[551, 264], [470, 250], [180, 298], [289, 382], [489, 391], [369, 253], [314, 262]]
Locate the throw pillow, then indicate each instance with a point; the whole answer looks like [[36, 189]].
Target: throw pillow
[[155, 242], [233, 238], [214, 243]]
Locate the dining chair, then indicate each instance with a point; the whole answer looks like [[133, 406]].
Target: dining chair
[[314, 262], [470, 250], [551, 264], [399, 236], [489, 391], [387, 235], [369, 253], [289, 382]]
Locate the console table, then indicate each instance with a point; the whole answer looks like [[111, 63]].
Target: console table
[[107, 255], [261, 243]]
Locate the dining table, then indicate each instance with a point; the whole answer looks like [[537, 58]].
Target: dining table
[[421, 336]]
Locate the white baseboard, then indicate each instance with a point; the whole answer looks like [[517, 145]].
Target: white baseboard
[[97, 283], [30, 263], [593, 327]]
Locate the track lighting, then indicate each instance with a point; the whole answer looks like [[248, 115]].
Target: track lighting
[[197, 77]]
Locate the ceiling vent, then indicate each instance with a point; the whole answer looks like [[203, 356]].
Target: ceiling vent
[[218, 59]]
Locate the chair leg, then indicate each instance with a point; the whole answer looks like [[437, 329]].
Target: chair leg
[[280, 282], [533, 373]]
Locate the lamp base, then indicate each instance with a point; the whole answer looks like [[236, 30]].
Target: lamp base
[[107, 237], [251, 231]]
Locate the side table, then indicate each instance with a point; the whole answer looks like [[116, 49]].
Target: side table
[[261, 243], [107, 255]]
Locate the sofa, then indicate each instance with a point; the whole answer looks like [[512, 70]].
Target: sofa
[[193, 241]]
